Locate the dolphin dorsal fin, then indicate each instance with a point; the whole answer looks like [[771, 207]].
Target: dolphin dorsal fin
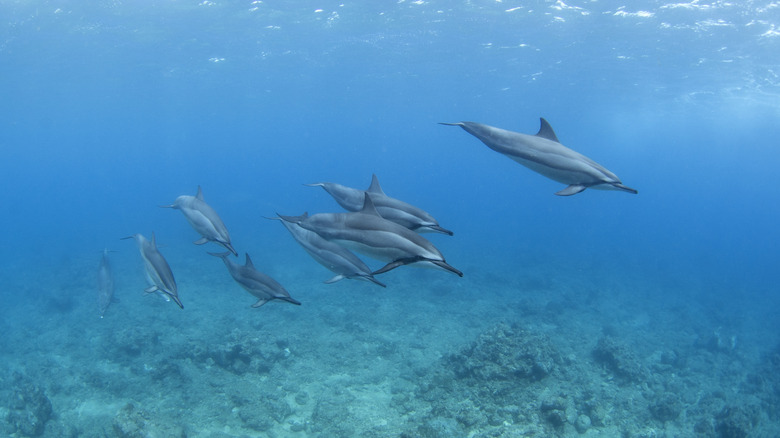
[[546, 131], [199, 195], [368, 206], [375, 187], [248, 263], [154, 240]]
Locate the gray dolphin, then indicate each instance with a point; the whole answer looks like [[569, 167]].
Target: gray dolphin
[[203, 219], [329, 254], [158, 272], [544, 154], [255, 282], [369, 233], [389, 208], [105, 284]]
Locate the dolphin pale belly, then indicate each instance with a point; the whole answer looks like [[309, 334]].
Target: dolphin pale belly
[[158, 272], [203, 219], [370, 234], [389, 208], [263, 287], [329, 254], [544, 154]]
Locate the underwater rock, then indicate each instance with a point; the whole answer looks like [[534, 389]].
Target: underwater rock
[[263, 410], [131, 422], [241, 354], [583, 423], [554, 411], [506, 353], [736, 421], [620, 359], [28, 408], [667, 407]]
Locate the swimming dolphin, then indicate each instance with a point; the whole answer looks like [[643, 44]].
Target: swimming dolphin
[[255, 282], [389, 208], [369, 233], [203, 219], [158, 272], [105, 284], [544, 154], [333, 256]]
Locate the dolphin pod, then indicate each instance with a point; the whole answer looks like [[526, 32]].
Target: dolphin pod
[[367, 232], [389, 208], [331, 255], [544, 154], [158, 272], [263, 287], [203, 219], [375, 224]]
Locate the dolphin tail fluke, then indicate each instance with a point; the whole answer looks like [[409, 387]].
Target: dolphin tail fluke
[[444, 265]]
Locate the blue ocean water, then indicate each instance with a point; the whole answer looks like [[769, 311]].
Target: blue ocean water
[[110, 109]]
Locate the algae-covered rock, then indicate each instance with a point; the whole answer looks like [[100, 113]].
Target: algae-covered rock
[[667, 407], [28, 408], [620, 360], [506, 353], [132, 422], [736, 421]]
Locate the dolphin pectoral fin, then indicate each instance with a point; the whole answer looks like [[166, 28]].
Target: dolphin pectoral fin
[[167, 206], [151, 289], [624, 188], [571, 190], [334, 279], [389, 267], [451, 124], [394, 264], [259, 303], [201, 241], [444, 265], [219, 254]]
